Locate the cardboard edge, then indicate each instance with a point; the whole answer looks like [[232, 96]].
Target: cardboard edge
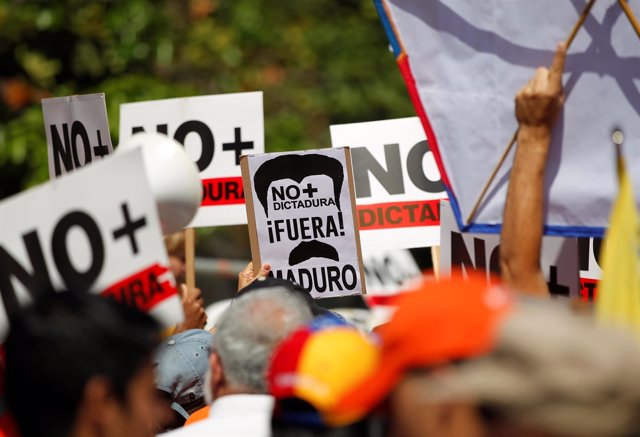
[[354, 211], [251, 218]]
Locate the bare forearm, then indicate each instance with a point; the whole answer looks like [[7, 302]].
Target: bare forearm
[[523, 220]]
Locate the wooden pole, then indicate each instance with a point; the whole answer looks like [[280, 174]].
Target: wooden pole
[[572, 35], [435, 260], [190, 258], [629, 13]]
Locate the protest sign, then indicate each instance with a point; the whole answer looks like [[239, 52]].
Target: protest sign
[[389, 273], [463, 63], [590, 271], [398, 186], [215, 131], [87, 232], [301, 210], [77, 131], [480, 253]]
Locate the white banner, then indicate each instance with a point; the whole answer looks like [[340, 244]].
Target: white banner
[[463, 252], [301, 219], [463, 63], [215, 131], [398, 186], [390, 272], [89, 231], [590, 271], [77, 131]]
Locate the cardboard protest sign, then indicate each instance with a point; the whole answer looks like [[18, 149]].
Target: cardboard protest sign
[[590, 271], [77, 131], [302, 221], [389, 273], [87, 232], [464, 61], [398, 186], [463, 252], [215, 131]]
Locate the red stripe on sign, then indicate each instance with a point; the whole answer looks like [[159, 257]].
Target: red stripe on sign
[[142, 290], [222, 191], [589, 289], [399, 214]]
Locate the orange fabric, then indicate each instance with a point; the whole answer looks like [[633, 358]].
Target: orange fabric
[[435, 324], [198, 415]]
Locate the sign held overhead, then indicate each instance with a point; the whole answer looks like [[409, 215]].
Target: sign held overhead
[[77, 131], [215, 131], [398, 186], [105, 240], [302, 220]]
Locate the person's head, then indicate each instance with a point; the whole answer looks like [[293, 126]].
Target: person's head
[[310, 370], [80, 364], [246, 335], [459, 360], [182, 363], [293, 288], [175, 245]]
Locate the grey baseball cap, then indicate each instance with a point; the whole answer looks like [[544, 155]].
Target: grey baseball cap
[[182, 362]]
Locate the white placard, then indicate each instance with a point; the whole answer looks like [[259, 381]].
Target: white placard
[[390, 272], [398, 186], [77, 131], [480, 253], [215, 131], [88, 232], [301, 219], [590, 271]]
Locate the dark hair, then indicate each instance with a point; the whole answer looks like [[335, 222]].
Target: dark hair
[[58, 344]]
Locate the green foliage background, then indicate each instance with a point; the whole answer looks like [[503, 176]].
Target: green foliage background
[[319, 62]]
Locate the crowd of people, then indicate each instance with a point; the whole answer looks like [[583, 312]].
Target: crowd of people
[[458, 358]]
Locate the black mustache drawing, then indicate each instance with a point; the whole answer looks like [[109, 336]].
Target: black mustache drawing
[[310, 249], [297, 167]]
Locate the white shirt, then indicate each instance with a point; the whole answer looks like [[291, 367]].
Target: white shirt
[[232, 416]]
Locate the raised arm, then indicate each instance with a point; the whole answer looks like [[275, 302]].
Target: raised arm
[[537, 106]]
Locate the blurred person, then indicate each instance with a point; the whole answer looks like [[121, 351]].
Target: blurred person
[[80, 365], [308, 373], [182, 363], [459, 359], [538, 104], [175, 245], [246, 335], [195, 316], [293, 288]]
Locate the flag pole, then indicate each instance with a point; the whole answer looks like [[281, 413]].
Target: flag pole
[[632, 18], [572, 35]]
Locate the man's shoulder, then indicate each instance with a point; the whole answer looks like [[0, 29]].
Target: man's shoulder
[[203, 427]]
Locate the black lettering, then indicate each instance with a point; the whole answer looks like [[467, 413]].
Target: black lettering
[[36, 282], [61, 149], [398, 218], [74, 279], [390, 178], [78, 130], [367, 218], [416, 169], [333, 273], [349, 285], [206, 139]]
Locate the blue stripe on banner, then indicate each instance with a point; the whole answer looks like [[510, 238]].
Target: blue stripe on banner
[[388, 28], [553, 231]]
